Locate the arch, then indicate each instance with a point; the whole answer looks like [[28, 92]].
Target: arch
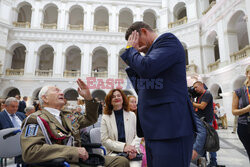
[[50, 14], [18, 57], [45, 57], [212, 39], [71, 94], [100, 94], [36, 93], [101, 19], [21, 4], [125, 17], [24, 12], [179, 11], [239, 82], [73, 58], [237, 27], [127, 92], [215, 90], [69, 46], [149, 17], [100, 59], [12, 92], [76, 15], [15, 45]]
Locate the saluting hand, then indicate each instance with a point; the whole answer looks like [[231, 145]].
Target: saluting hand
[[83, 90], [133, 41]]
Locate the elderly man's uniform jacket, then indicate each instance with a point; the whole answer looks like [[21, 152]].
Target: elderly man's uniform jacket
[[35, 149], [109, 133]]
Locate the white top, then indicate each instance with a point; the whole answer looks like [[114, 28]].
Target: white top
[[221, 111], [54, 112], [14, 117]]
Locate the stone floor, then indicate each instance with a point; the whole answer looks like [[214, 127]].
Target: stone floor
[[231, 154]]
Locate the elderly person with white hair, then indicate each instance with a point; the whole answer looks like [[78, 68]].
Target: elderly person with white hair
[[29, 110], [53, 133], [10, 118]]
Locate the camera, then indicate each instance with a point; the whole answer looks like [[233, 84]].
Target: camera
[[192, 93]]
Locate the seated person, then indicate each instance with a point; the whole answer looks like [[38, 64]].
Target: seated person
[[10, 117], [118, 127], [52, 133]]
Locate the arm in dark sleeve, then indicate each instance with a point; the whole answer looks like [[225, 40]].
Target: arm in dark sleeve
[[201, 135], [90, 116], [133, 77], [166, 53]]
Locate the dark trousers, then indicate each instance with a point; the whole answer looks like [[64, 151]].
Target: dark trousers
[[244, 137], [175, 152]]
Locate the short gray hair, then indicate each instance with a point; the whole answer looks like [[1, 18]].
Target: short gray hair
[[10, 99], [28, 109], [43, 92]]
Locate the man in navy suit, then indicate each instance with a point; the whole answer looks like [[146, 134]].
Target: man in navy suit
[[9, 117], [164, 109]]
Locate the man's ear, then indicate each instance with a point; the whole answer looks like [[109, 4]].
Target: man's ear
[[45, 100], [144, 31]]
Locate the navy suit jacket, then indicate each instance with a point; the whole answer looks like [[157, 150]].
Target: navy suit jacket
[[159, 77], [21, 106], [5, 121]]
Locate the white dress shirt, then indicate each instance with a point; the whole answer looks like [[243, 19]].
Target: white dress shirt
[[16, 119], [54, 112]]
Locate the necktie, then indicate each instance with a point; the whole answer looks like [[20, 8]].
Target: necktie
[[14, 121]]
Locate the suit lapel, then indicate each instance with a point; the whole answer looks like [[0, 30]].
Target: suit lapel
[[7, 118], [126, 125], [113, 125], [54, 120]]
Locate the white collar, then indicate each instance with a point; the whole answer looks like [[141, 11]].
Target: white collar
[[53, 111], [9, 113]]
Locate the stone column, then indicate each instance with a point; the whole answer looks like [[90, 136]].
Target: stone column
[[113, 24], [66, 20], [57, 64], [196, 57], [191, 8], [64, 62], [223, 44], [208, 52], [137, 15], [82, 64], [29, 67], [33, 17], [227, 104], [247, 18], [112, 63], [15, 15], [40, 18], [86, 21], [85, 61]]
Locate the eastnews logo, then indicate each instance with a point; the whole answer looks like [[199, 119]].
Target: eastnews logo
[[110, 83]]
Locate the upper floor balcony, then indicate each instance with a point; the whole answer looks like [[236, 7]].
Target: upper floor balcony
[[178, 22], [243, 53], [212, 3]]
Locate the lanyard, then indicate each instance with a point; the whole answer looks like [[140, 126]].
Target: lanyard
[[201, 96], [248, 95], [196, 109]]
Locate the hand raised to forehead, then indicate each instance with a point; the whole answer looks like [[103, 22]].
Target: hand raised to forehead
[[83, 89], [133, 40]]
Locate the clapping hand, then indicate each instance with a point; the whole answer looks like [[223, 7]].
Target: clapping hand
[[83, 90]]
